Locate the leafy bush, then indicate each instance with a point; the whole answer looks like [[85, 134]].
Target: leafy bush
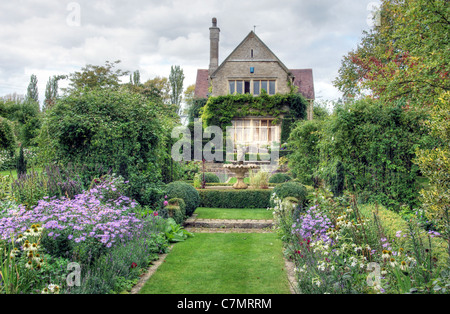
[[116, 129], [279, 178], [211, 178], [176, 209], [7, 161], [231, 198], [291, 189], [260, 180], [185, 191], [7, 137]]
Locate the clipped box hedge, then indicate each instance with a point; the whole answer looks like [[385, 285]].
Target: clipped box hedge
[[231, 198]]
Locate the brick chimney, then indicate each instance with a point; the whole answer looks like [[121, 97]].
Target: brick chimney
[[214, 32]]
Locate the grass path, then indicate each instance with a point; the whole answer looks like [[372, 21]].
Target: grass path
[[222, 263], [233, 213]]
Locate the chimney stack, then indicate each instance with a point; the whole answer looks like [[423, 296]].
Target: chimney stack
[[214, 47]]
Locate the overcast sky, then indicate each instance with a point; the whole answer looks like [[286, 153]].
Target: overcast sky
[[52, 37]]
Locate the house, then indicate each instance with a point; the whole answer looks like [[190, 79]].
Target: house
[[251, 68]]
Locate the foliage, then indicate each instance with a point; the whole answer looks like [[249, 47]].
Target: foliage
[[305, 154], [175, 233], [7, 138], [259, 180], [435, 165], [291, 189], [220, 110], [29, 188], [96, 77], [231, 198], [115, 129], [185, 191], [21, 163], [176, 79], [399, 59], [32, 90], [279, 178], [376, 145], [338, 248], [211, 177], [195, 109], [176, 209]]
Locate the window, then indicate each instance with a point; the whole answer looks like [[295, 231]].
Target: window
[[255, 131], [271, 90], [264, 86], [254, 87], [268, 86], [232, 87], [239, 87], [247, 87]]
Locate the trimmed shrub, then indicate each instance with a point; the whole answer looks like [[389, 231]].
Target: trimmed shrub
[[185, 191], [210, 177], [231, 198], [176, 209], [291, 189], [279, 178]]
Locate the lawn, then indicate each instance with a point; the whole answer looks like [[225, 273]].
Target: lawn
[[13, 172], [222, 263], [233, 213]]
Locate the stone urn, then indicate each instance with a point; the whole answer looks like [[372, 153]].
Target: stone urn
[[240, 170]]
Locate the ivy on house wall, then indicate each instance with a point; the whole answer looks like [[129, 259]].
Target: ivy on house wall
[[221, 110]]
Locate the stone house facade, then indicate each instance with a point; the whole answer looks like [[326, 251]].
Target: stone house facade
[[251, 68]]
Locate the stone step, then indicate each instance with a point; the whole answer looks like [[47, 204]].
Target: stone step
[[193, 222]]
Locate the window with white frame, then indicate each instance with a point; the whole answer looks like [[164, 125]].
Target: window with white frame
[[254, 87]]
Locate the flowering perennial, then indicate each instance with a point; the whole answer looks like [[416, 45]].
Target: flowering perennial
[[87, 215]]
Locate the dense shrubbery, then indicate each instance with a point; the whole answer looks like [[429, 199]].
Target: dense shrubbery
[[370, 145], [291, 189], [279, 178], [186, 192], [116, 129], [230, 198]]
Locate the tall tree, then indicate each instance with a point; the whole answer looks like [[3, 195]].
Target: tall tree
[[159, 87], [405, 56], [176, 79], [189, 95], [32, 91], [51, 91], [94, 76]]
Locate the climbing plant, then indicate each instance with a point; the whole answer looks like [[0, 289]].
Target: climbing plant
[[220, 110]]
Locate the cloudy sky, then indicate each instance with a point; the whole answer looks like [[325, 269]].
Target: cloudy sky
[[52, 37]]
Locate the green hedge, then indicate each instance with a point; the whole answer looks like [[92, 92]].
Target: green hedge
[[291, 189], [230, 198], [279, 178], [185, 191]]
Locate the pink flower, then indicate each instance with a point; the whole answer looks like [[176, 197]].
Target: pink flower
[[166, 203], [155, 213]]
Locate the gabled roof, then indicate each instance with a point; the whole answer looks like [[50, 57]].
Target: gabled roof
[[252, 34], [302, 78], [201, 84]]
